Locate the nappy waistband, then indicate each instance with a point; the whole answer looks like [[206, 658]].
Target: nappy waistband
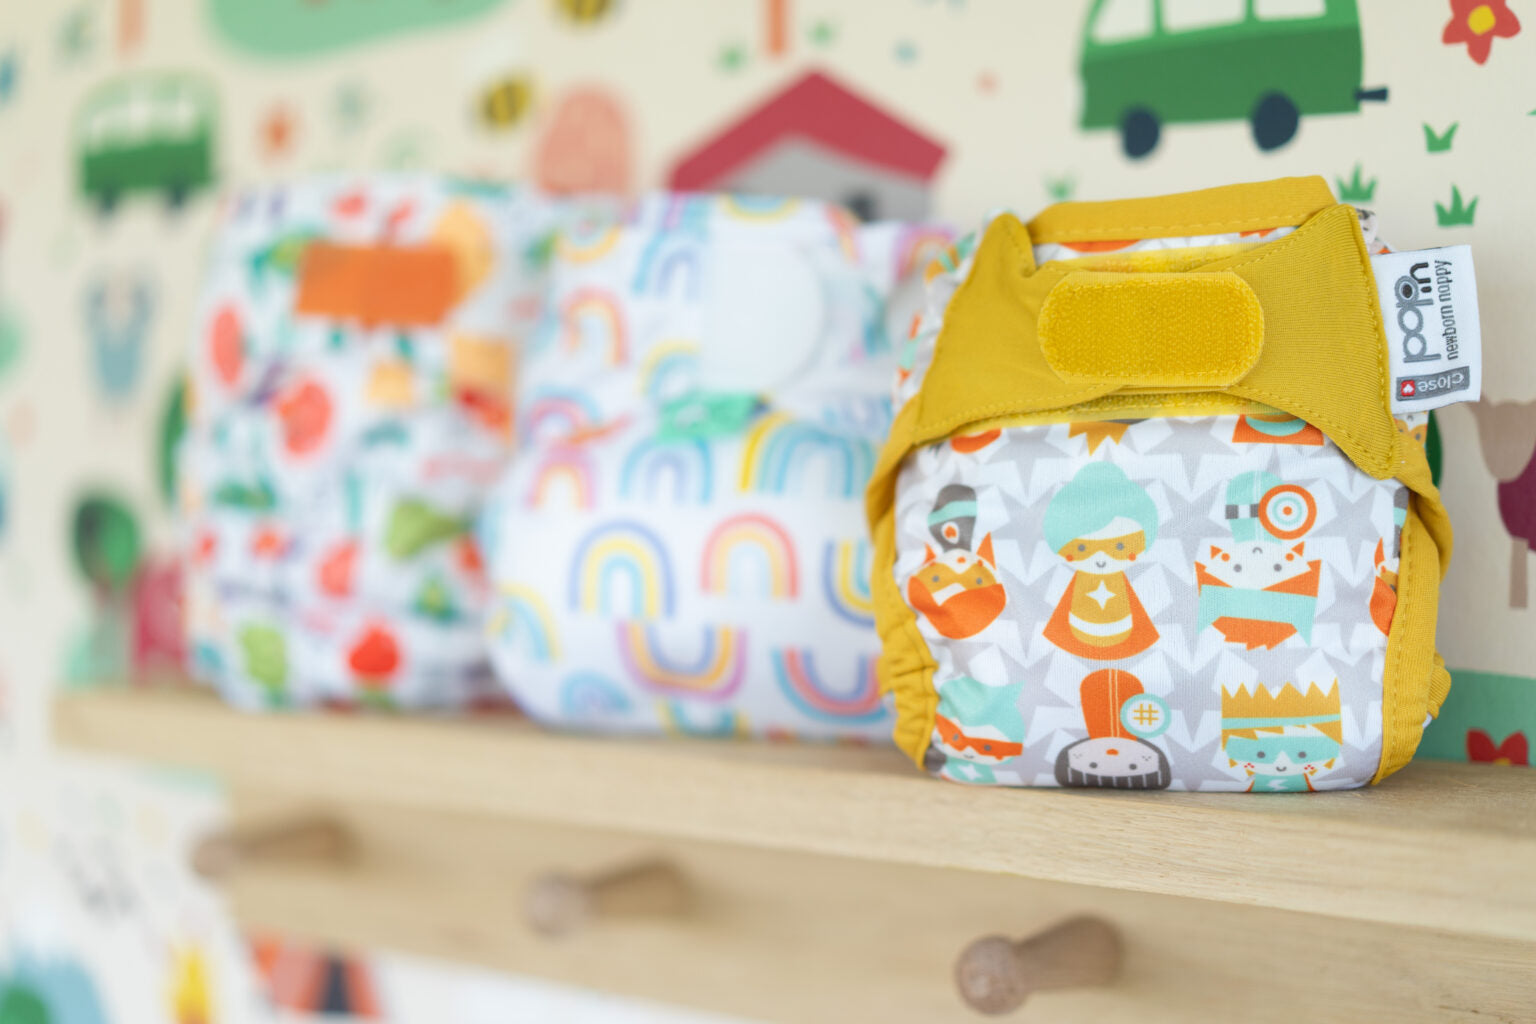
[[1298, 322]]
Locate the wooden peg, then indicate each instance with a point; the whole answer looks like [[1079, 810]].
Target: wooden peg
[[559, 903], [996, 975], [313, 838]]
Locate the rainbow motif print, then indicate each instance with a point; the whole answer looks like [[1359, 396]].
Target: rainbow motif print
[[795, 670], [622, 566], [558, 412], [759, 542], [522, 610], [669, 371], [671, 264], [594, 322], [845, 569], [590, 696], [564, 477], [677, 719], [785, 456], [676, 546], [676, 471], [714, 674]]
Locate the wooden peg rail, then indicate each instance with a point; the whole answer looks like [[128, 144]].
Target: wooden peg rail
[[995, 975], [310, 838], [820, 883], [559, 903]]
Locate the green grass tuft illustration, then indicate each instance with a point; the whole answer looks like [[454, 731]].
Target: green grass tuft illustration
[[1356, 190], [1060, 189], [1458, 212], [1440, 143]]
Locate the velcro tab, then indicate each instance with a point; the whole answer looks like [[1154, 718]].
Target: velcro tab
[[1191, 330]]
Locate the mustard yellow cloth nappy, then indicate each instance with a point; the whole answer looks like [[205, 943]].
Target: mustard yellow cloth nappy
[[1146, 518]]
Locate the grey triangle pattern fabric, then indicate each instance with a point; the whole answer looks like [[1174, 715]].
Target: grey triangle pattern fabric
[[1190, 603]]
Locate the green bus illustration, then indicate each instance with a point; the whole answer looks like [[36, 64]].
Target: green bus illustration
[[1146, 63], [146, 133], [305, 28]]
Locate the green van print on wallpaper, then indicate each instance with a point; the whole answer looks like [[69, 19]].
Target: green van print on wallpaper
[[1147, 63], [146, 133], [302, 28]]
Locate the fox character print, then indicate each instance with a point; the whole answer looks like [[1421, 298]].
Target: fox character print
[[957, 590]]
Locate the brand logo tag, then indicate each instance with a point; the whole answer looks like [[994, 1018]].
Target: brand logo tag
[[1434, 339]]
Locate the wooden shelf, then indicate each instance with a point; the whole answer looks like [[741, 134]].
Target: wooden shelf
[[1445, 847]]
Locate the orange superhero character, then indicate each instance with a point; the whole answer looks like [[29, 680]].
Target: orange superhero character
[[1100, 523]]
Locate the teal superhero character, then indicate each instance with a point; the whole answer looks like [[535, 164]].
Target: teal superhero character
[[1261, 589], [977, 728]]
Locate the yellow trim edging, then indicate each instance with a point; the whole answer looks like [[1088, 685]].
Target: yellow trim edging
[[1322, 358]]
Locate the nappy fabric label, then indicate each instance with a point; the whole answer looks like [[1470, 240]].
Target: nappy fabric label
[[1434, 340]]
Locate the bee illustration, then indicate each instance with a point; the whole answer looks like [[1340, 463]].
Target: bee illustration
[[586, 12], [506, 102]]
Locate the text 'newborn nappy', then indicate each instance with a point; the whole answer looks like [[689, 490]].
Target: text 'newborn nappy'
[[1156, 511]]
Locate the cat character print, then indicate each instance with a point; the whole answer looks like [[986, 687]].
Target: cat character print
[[1261, 589]]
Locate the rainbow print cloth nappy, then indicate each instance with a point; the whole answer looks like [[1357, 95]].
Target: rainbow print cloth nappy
[[679, 543], [351, 382], [1146, 519]]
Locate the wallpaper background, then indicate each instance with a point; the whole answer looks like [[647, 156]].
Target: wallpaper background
[[99, 919]]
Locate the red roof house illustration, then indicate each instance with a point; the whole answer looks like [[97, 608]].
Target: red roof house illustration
[[818, 138]]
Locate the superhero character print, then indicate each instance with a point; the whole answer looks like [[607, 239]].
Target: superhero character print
[[976, 728], [1100, 523], [1281, 740], [1260, 589], [1386, 560], [1275, 428], [956, 590], [1121, 718]]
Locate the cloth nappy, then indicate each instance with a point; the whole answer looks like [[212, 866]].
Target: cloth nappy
[[351, 384], [1146, 518], [679, 544]]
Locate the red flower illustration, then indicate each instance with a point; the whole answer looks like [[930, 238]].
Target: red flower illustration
[[306, 412], [469, 558], [1514, 749], [205, 547], [374, 658], [269, 542], [225, 345], [337, 569], [1476, 23]]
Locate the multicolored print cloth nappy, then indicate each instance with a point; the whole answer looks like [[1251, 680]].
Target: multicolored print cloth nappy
[[679, 543], [1146, 519], [351, 383]]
